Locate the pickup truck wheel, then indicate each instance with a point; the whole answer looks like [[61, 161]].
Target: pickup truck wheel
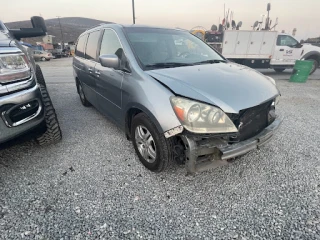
[[153, 149], [83, 98], [52, 133], [279, 70], [39, 75], [314, 66]]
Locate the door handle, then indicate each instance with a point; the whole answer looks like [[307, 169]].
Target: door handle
[[90, 69], [281, 50], [98, 73]]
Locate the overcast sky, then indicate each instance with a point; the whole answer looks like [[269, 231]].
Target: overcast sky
[[301, 14]]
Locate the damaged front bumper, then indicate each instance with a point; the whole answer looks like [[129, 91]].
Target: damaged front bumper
[[214, 152]]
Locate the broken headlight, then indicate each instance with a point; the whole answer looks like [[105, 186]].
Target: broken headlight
[[201, 118], [14, 67]]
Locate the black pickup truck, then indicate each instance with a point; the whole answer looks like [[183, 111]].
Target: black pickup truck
[[25, 104]]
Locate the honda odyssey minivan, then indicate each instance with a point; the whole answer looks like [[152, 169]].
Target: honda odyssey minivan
[[175, 97]]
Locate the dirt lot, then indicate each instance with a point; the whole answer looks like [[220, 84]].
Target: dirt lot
[[91, 185]]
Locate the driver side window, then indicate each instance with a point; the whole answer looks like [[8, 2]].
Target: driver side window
[[110, 44], [285, 40]]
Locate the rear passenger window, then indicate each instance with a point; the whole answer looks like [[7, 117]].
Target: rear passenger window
[[80, 46], [110, 44], [92, 44]]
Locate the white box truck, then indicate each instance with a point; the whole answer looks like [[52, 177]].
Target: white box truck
[[263, 49]]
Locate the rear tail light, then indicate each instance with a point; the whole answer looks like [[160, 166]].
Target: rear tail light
[[14, 67]]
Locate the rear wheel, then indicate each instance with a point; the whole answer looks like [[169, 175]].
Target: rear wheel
[[43, 59], [279, 70], [153, 149], [82, 96], [52, 133]]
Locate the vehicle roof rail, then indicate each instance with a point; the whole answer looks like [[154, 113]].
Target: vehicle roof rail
[[100, 24]]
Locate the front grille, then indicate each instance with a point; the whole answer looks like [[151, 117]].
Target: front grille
[[252, 121]]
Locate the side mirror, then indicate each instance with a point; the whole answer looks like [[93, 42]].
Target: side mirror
[[39, 29], [38, 22], [110, 61]]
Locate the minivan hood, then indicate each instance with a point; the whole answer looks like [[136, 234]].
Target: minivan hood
[[230, 86]]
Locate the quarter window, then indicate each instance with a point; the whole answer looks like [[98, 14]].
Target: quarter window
[[92, 44]]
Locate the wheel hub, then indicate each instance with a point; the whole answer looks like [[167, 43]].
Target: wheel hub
[[145, 144]]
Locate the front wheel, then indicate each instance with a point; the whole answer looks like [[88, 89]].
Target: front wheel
[[52, 134], [314, 66], [39, 75], [153, 149], [43, 59]]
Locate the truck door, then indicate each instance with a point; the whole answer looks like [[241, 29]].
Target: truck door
[[287, 51]]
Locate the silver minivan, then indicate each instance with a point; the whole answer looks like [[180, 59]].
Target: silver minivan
[[174, 96]]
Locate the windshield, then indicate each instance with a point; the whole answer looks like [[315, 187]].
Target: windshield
[[161, 48]]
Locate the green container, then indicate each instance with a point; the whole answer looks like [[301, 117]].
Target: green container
[[301, 71]]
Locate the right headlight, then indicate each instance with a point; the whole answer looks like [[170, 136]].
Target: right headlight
[[201, 118], [14, 67]]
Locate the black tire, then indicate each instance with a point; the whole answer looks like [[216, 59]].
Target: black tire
[[43, 59], [39, 75], [315, 65], [279, 70], [82, 96], [164, 146], [52, 133], [47, 59]]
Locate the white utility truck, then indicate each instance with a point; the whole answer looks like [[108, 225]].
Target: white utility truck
[[263, 49]]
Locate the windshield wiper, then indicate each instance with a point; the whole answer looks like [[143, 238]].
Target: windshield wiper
[[168, 65], [211, 61]]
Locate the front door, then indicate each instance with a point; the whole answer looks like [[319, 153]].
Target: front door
[[109, 80], [287, 51]]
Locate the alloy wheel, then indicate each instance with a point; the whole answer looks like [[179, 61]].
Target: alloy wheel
[[145, 144]]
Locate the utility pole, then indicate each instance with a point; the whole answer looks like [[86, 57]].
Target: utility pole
[[134, 17], [62, 42]]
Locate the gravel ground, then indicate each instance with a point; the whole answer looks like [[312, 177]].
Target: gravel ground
[[91, 185]]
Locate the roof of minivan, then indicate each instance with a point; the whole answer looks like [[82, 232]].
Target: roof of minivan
[[132, 26]]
